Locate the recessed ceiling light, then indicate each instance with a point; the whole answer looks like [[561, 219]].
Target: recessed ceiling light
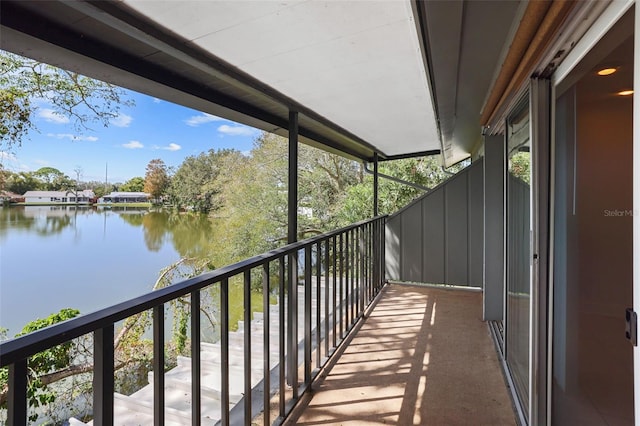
[[625, 93], [607, 71]]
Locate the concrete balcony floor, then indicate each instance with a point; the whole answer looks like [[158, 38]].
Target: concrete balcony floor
[[422, 357]]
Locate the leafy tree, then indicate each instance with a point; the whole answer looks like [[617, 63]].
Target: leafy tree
[[520, 166], [26, 84], [22, 182], [255, 200], [98, 188], [156, 178], [392, 196], [322, 184], [4, 176], [135, 184], [16, 111], [200, 179], [53, 179], [255, 196], [42, 364]]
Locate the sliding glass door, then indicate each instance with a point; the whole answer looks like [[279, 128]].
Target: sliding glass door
[[592, 373], [518, 249]]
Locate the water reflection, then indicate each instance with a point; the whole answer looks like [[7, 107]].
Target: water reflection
[[189, 233], [115, 253], [43, 220]]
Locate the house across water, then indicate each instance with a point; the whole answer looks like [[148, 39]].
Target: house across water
[[59, 197], [125, 197]]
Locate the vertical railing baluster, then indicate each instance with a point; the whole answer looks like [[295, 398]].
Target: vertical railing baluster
[[17, 396], [158, 365], [224, 352], [247, 348], [341, 285], [307, 314], [353, 276], [364, 250], [371, 260], [360, 273], [372, 239], [356, 276], [326, 297], [375, 245], [196, 365], [363, 264], [292, 323], [334, 289], [366, 265], [103, 376], [266, 348], [383, 262], [281, 337], [379, 277], [352, 269], [318, 303], [347, 276]]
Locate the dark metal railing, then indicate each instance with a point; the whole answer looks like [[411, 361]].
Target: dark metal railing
[[349, 265]]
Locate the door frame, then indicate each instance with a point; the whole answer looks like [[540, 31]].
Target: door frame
[[541, 122]]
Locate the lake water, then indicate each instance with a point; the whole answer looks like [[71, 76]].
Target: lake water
[[86, 258]]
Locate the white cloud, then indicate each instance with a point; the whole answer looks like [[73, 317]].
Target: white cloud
[[133, 145], [6, 156], [171, 147], [11, 162], [156, 100], [204, 118], [51, 116], [238, 130], [122, 120], [72, 137]]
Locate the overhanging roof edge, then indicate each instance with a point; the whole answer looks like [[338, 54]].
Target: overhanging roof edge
[[122, 18], [37, 26], [418, 9]]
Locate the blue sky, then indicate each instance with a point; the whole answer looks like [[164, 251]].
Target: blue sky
[[150, 129]]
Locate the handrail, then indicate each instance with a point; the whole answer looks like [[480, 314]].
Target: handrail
[[417, 186], [350, 259], [39, 340]]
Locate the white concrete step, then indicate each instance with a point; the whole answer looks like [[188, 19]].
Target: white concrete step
[[137, 409], [177, 405]]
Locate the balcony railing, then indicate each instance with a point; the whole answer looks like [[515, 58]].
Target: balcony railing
[[349, 272]]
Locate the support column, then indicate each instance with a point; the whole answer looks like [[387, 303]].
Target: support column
[[377, 247], [375, 184], [292, 237], [292, 206], [493, 294]]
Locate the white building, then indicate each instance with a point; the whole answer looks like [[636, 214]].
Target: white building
[[58, 197], [125, 197]]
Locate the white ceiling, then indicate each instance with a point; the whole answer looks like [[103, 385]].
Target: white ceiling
[[356, 63]]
